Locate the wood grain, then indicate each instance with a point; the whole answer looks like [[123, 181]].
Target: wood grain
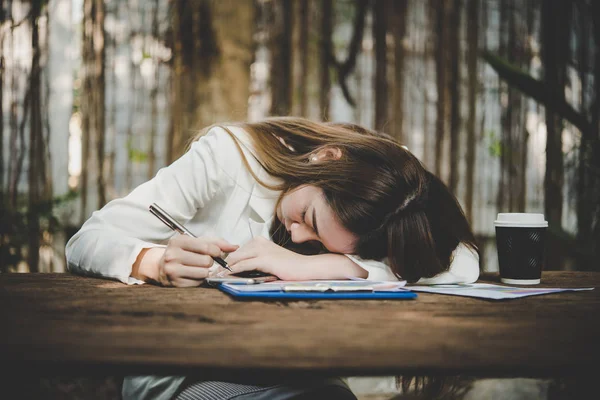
[[74, 325]]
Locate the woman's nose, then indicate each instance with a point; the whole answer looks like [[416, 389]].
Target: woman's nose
[[300, 233]]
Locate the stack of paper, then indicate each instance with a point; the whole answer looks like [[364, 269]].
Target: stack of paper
[[343, 289], [321, 286], [489, 291], [365, 289]]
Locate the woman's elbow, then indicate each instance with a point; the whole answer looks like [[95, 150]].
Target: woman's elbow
[[73, 250], [472, 274]]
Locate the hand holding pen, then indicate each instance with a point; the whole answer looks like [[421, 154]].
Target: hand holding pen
[[176, 226]]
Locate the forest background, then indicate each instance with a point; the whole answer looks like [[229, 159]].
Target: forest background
[[498, 97]]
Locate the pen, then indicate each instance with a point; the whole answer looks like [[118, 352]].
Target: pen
[[176, 226]]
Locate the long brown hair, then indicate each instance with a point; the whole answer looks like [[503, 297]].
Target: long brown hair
[[378, 190]]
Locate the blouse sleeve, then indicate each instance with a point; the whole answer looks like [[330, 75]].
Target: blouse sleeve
[[109, 242], [377, 270], [464, 268]]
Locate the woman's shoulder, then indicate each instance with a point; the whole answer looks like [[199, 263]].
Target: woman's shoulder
[[233, 151], [227, 136], [224, 143]]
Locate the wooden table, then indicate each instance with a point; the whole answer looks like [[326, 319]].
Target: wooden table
[[75, 325]]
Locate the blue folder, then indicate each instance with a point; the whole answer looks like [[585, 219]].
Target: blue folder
[[329, 295]]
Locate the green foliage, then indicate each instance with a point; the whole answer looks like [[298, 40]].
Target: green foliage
[[136, 155], [13, 235], [14, 229], [495, 144]]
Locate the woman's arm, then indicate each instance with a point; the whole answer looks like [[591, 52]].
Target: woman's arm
[[464, 268], [333, 266], [184, 262], [263, 255], [124, 234]]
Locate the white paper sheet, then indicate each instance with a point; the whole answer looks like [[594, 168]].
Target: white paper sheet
[[322, 286], [489, 291]]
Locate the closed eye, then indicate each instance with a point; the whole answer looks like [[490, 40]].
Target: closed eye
[[303, 215], [305, 222]]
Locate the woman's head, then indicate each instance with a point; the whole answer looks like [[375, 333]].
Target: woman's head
[[358, 191], [307, 216]]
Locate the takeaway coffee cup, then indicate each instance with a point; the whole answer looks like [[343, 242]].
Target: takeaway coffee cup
[[521, 243]]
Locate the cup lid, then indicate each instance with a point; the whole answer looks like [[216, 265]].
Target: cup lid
[[525, 220]]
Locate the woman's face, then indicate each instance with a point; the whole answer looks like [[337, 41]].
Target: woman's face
[[307, 216]]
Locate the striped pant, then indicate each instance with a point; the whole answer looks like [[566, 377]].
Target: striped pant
[[333, 389]]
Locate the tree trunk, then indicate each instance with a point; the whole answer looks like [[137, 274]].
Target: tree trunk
[[37, 168], [555, 47], [2, 77], [213, 49], [111, 112], [441, 67], [429, 49], [325, 55], [520, 55], [400, 11], [2, 66], [514, 135], [381, 82], [505, 38], [92, 109], [154, 98], [454, 89], [473, 82], [302, 55], [591, 241], [281, 58], [17, 134]]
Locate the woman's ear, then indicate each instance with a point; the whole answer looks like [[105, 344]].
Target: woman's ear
[[327, 153]]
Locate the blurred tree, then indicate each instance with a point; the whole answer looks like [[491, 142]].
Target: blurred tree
[[3, 21], [442, 66], [398, 31], [515, 35], [281, 57], [345, 67], [429, 46], [213, 48], [38, 177], [556, 18], [24, 212], [380, 9], [326, 51], [92, 107], [154, 98], [301, 57], [556, 53], [589, 209], [472, 93], [454, 83]]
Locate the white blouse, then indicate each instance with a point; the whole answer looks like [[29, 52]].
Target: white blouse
[[211, 191]]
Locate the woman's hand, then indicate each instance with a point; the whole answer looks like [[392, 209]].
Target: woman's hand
[[263, 255], [186, 260]]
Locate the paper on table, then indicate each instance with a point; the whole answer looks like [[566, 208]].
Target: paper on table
[[489, 291], [323, 286]]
